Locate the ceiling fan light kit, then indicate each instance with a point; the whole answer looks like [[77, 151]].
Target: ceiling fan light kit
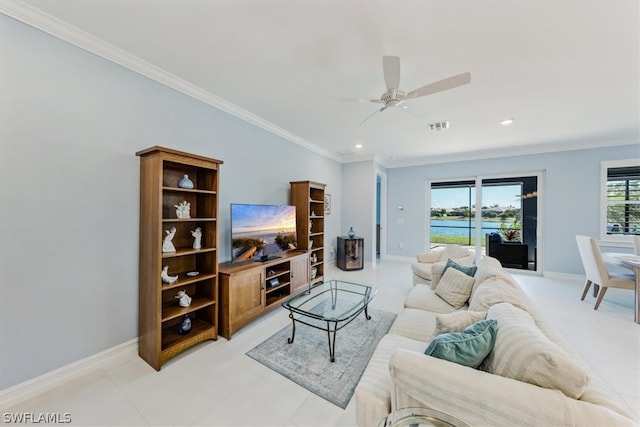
[[394, 97]]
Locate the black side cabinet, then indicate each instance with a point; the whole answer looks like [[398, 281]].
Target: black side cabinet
[[350, 253]]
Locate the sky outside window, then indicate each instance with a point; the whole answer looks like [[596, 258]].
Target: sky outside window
[[502, 195]]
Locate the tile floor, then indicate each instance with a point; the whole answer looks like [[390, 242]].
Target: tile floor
[[216, 384]]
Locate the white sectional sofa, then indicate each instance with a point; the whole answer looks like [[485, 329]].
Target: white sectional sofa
[[429, 266], [530, 378]]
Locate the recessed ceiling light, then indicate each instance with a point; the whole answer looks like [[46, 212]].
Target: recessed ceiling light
[[506, 122], [358, 145]]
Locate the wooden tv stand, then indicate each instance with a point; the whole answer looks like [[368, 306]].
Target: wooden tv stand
[[250, 289]]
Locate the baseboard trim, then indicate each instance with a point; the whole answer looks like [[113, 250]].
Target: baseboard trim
[[399, 258], [38, 385], [564, 276]]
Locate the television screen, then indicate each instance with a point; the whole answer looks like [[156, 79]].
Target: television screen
[[260, 232]]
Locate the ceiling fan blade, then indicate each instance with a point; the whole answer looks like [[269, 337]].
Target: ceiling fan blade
[[439, 86], [377, 111], [360, 100], [391, 69]]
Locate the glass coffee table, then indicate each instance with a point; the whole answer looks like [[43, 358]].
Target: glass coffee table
[[420, 417], [330, 306]]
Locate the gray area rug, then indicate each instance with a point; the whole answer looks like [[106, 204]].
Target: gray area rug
[[306, 360]]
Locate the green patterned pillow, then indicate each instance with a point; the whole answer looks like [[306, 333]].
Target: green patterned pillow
[[468, 270], [468, 348]]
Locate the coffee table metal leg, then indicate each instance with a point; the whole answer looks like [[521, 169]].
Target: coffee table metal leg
[[366, 312], [293, 331], [332, 342]]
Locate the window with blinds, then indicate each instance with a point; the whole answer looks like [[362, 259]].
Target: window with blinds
[[623, 200]]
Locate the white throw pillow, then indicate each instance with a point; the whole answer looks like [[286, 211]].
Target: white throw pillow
[[457, 321], [455, 287], [524, 353]]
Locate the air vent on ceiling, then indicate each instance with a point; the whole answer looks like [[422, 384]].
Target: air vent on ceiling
[[439, 125], [346, 152]]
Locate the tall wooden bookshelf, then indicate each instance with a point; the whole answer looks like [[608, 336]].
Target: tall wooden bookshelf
[[308, 198], [160, 315]]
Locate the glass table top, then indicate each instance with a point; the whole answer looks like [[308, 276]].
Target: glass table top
[[332, 300]]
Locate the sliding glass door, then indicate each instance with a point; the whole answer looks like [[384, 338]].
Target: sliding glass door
[[505, 227], [453, 212]]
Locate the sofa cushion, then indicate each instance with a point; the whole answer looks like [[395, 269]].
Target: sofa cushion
[[457, 321], [488, 267], [455, 287], [469, 270], [415, 324], [424, 298], [524, 353], [496, 290], [468, 348]]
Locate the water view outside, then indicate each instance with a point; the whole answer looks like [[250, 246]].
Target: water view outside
[[452, 218], [459, 231]]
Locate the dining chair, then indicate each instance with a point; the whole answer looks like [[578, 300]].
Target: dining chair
[[596, 270]]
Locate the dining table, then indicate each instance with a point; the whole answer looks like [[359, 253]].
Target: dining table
[[632, 262]]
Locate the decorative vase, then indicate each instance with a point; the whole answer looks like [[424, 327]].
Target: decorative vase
[[185, 182], [351, 233], [185, 325]]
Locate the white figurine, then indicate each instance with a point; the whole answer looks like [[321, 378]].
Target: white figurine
[[197, 238], [183, 210], [165, 275], [167, 244], [185, 300]]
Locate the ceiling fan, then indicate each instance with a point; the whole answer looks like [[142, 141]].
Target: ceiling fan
[[394, 97]]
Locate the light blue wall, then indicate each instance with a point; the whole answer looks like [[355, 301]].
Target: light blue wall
[[70, 125], [571, 199], [358, 201]]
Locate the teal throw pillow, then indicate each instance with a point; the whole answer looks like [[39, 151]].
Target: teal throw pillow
[[468, 348], [468, 270]]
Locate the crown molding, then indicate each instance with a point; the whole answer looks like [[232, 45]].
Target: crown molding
[[40, 20], [503, 152]]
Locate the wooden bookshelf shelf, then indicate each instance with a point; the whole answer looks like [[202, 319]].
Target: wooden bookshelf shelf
[[308, 198], [160, 315]]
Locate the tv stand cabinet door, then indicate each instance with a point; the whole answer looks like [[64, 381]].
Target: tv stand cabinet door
[[243, 299], [299, 273]]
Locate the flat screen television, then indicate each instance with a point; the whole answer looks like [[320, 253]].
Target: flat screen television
[[261, 232]]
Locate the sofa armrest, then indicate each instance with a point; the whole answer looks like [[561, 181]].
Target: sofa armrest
[[429, 257], [476, 397]]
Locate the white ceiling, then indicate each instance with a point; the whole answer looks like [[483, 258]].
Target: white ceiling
[[567, 71]]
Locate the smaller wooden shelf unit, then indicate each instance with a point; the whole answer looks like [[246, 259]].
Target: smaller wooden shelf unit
[[160, 314], [250, 289], [308, 198]]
